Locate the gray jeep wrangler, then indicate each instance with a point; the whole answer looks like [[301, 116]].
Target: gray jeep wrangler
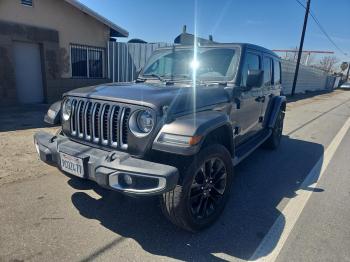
[[177, 131]]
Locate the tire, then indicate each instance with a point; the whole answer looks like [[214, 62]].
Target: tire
[[275, 138], [196, 203]]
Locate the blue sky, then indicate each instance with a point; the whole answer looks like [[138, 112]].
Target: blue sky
[[275, 24]]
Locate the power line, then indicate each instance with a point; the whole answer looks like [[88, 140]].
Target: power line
[[318, 23]]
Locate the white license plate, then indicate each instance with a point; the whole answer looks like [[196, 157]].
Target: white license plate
[[72, 165]]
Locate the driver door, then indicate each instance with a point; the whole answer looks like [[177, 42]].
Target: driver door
[[248, 115]]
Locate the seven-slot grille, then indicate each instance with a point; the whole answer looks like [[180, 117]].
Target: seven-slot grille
[[100, 122]]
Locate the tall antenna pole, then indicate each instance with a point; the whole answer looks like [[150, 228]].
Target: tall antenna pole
[[301, 46]]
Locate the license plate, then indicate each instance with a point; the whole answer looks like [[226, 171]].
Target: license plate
[[72, 165]]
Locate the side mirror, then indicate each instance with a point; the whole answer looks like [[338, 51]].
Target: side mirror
[[138, 71], [255, 78]]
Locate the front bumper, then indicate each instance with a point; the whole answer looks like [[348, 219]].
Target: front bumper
[[108, 168]]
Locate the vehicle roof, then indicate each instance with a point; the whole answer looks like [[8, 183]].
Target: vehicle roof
[[243, 46]]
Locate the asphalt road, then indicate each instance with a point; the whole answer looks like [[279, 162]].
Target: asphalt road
[[47, 216]]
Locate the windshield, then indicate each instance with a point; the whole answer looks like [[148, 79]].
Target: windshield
[[212, 64]]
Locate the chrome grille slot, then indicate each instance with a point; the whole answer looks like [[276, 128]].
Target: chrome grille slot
[[114, 126], [103, 123], [88, 124], [73, 119], [95, 122], [124, 131], [80, 122]]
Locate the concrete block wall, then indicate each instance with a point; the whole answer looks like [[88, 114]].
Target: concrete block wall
[[309, 79]]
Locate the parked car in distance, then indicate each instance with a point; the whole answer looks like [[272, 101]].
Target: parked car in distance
[[345, 85], [177, 131]]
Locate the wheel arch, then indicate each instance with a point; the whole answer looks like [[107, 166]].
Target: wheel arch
[[210, 126], [277, 103], [222, 135]]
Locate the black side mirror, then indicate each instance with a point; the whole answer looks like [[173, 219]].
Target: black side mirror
[[138, 71], [255, 78]]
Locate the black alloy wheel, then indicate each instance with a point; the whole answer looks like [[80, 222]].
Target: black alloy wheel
[[200, 197], [208, 188]]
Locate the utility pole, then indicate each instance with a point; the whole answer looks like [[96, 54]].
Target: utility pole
[[301, 46]]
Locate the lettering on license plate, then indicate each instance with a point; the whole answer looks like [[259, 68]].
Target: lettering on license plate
[[72, 165]]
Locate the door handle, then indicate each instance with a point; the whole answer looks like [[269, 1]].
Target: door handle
[[260, 99], [238, 103]]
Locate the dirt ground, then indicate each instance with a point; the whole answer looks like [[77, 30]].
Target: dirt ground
[[18, 158]]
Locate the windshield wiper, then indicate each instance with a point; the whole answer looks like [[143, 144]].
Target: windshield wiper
[[185, 78], [153, 75], [219, 83]]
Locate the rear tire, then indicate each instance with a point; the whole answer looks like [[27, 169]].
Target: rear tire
[[275, 138], [203, 192]]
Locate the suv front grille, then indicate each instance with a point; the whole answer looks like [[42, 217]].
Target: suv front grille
[[100, 122]]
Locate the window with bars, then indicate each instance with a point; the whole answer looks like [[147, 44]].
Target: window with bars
[[87, 62], [27, 2]]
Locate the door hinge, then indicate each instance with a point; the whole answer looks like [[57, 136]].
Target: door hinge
[[261, 119]]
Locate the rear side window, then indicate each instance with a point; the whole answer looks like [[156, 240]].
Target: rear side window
[[27, 2], [277, 69], [252, 62], [268, 73]]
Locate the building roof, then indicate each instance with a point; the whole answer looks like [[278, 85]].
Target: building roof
[[116, 31], [188, 39]]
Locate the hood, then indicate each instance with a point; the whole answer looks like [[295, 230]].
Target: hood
[[180, 99]]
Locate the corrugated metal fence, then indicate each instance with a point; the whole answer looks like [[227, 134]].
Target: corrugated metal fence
[[125, 59], [309, 78]]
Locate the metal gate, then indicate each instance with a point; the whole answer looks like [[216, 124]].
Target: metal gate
[[124, 60]]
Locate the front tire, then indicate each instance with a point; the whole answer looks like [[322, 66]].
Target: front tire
[[201, 197]]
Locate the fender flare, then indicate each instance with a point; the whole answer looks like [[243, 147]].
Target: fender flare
[[273, 110], [53, 115], [198, 124]]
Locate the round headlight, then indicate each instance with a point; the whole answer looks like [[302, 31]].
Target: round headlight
[[141, 123], [145, 121], [67, 109]]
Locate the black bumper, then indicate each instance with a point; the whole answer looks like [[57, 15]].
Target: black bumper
[[109, 168]]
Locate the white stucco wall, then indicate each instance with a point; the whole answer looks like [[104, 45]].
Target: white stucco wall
[[73, 25]]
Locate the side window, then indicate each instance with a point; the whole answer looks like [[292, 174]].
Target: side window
[[277, 69], [267, 71], [27, 2], [252, 61]]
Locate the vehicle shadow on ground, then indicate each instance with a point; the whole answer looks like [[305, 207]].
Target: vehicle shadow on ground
[[307, 95], [22, 117], [262, 186]]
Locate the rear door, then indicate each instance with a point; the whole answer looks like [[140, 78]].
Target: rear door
[[268, 85], [249, 113], [272, 82]]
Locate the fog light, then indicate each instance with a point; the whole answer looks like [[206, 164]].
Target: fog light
[[127, 179]]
